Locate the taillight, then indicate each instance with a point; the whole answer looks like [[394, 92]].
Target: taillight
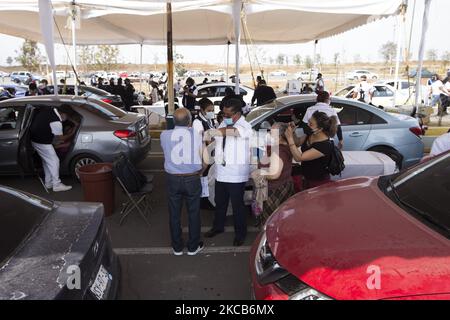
[[124, 134], [107, 100], [416, 130]]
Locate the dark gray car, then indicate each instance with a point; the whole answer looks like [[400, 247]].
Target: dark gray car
[[54, 250], [103, 133]]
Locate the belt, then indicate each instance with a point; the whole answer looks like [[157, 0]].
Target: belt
[[187, 174]]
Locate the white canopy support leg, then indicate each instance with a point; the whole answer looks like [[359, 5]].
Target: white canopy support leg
[[46, 20], [426, 12], [400, 29], [228, 61], [314, 60], [140, 69], [74, 46], [237, 6]]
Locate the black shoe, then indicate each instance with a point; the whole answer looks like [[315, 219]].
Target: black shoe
[[238, 242], [212, 233]]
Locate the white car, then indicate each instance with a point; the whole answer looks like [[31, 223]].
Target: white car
[[357, 74], [278, 73], [383, 95], [101, 74], [113, 75], [216, 91], [194, 73], [218, 73], [307, 74], [4, 74]]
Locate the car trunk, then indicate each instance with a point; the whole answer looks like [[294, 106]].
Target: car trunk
[[72, 235]]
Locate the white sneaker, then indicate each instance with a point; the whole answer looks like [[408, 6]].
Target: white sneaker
[[200, 247], [177, 253], [49, 186], [61, 187]]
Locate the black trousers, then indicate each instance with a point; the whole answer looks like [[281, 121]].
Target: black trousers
[[223, 193]]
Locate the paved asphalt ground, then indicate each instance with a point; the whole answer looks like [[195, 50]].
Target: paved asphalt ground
[[149, 270]]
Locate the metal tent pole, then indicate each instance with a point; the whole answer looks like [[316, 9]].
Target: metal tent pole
[[170, 95], [237, 6]]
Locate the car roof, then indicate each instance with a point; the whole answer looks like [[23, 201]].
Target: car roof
[[45, 98]]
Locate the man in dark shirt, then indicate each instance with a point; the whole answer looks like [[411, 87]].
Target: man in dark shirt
[[229, 94], [45, 129], [263, 94]]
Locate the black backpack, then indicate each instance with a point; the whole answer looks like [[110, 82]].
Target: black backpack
[[336, 164]]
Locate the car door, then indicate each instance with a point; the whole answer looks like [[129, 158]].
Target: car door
[[10, 124], [355, 124]]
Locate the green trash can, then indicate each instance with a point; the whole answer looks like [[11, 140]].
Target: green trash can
[[97, 182]]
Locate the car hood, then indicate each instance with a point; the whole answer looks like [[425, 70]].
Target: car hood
[[336, 237], [39, 268]]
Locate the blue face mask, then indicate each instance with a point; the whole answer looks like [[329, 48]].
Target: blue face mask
[[228, 121]]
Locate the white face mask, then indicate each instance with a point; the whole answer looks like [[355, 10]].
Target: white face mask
[[210, 115]]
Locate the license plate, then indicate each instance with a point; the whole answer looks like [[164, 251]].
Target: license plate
[[101, 283]]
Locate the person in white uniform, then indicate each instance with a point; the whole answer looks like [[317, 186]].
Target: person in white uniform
[[45, 130], [364, 91]]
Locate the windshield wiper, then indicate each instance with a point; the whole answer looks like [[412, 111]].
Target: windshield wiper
[[418, 211]]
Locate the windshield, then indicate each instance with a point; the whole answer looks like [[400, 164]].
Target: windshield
[[262, 110], [425, 190], [20, 214]]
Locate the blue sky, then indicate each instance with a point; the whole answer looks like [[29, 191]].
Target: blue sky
[[364, 41]]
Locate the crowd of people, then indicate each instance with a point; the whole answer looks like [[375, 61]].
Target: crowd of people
[[197, 142]]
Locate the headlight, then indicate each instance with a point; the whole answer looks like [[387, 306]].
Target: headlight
[[267, 268], [269, 271]]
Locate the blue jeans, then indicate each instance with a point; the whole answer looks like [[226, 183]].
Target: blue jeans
[[223, 193], [189, 189]]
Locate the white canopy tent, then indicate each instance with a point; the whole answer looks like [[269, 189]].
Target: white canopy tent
[[196, 22]]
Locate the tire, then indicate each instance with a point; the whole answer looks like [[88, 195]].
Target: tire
[[391, 153], [79, 161], [374, 78], [356, 78]]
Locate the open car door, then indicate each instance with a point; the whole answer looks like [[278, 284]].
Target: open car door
[[25, 150]]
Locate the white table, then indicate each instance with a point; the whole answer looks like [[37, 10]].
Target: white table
[[366, 163]]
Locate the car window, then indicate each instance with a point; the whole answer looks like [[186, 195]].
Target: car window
[[382, 91], [20, 214], [425, 189], [9, 118], [208, 92], [352, 115], [344, 92], [104, 110]]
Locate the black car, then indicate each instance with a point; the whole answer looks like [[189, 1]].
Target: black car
[[93, 93], [54, 250]]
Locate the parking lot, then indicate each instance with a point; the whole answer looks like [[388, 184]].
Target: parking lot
[[149, 269]]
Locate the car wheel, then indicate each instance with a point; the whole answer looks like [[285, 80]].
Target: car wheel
[[374, 78], [391, 153], [81, 161], [356, 78]]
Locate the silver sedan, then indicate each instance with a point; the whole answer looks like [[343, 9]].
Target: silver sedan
[[101, 133]]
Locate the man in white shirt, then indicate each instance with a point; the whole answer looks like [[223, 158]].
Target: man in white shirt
[[438, 91], [232, 158], [440, 145], [364, 91], [323, 105]]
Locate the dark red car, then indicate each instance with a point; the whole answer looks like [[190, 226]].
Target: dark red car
[[361, 238]]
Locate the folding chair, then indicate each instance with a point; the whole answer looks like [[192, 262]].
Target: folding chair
[[135, 185]]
